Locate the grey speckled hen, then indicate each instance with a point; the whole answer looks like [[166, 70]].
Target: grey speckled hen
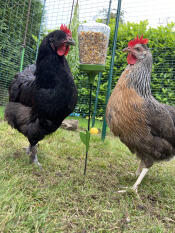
[[144, 125]]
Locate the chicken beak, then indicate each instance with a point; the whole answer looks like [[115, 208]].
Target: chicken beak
[[70, 41], [126, 50]]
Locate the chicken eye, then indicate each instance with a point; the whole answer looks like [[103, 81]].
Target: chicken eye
[[138, 49]]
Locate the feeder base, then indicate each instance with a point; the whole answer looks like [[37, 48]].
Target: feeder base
[[92, 67], [92, 70]]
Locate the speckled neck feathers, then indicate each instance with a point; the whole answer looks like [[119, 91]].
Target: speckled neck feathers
[[139, 76]]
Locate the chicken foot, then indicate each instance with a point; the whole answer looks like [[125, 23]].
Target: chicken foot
[[138, 181]]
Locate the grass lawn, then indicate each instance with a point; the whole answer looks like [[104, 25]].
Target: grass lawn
[[61, 199]]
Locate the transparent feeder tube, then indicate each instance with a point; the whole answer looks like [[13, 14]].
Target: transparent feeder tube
[[93, 43]]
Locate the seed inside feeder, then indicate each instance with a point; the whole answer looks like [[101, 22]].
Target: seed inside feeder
[[92, 47], [93, 43]]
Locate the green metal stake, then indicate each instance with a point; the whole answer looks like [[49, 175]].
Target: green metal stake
[[87, 133], [96, 99], [25, 37], [111, 66], [100, 74], [109, 12], [22, 59], [85, 137], [92, 71], [91, 76]]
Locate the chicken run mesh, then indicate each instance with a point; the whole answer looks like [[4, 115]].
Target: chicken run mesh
[[154, 19]]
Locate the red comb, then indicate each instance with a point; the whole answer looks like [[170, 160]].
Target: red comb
[[137, 41], [65, 29]]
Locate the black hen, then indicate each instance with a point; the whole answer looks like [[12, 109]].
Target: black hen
[[43, 95]]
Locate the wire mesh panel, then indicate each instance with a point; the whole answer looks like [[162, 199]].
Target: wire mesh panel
[[154, 19], [58, 11], [13, 17]]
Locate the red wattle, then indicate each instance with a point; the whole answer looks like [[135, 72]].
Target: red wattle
[[63, 50], [131, 59]]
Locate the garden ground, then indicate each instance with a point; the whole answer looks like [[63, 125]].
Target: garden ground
[[60, 199]]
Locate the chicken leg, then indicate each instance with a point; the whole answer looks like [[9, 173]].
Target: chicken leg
[[140, 178], [141, 166], [28, 149], [33, 156]]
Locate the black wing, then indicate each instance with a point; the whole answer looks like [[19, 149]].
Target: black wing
[[22, 87]]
